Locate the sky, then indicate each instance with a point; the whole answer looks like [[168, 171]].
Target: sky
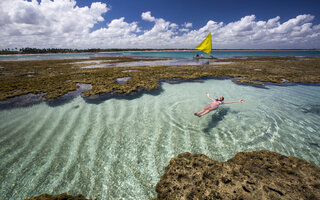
[[234, 24]]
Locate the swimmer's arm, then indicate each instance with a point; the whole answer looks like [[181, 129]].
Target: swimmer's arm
[[240, 101], [209, 96]]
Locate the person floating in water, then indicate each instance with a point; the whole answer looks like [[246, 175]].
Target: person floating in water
[[214, 105]]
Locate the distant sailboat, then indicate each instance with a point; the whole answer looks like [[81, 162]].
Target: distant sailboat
[[205, 46]]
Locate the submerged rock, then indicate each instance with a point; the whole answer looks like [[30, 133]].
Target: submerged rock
[[63, 196], [251, 175]]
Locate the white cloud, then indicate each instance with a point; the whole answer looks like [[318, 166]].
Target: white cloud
[[117, 34], [184, 30], [294, 23], [174, 26], [147, 16], [160, 36], [187, 25], [63, 24], [116, 28], [58, 22], [273, 22]]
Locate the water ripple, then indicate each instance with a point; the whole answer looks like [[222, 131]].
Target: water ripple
[[118, 149]]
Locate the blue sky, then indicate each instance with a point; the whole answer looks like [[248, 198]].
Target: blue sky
[[159, 23], [200, 11]]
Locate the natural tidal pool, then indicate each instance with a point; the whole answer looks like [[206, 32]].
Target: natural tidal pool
[[118, 148]]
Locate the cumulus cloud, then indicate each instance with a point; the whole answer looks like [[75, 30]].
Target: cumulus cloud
[[63, 24], [44, 21], [118, 34], [187, 25], [184, 30], [147, 16], [161, 35]]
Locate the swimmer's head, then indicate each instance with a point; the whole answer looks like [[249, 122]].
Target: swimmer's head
[[221, 98]]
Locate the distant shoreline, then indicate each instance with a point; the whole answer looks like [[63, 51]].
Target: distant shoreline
[[266, 50]]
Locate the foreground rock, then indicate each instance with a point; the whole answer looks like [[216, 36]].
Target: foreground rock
[[63, 196], [251, 175]]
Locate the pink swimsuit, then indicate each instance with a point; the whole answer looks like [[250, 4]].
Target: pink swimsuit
[[214, 106]]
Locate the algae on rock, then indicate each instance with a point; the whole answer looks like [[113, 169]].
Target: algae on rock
[[251, 175]]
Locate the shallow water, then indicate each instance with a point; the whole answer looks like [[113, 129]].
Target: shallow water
[[161, 54], [117, 149], [157, 63]]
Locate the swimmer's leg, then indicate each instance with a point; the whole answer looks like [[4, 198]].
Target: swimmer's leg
[[206, 111], [203, 110]]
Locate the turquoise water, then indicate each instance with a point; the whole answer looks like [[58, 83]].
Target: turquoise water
[[118, 148], [223, 54], [168, 54]]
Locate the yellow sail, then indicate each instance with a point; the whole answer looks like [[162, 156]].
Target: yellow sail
[[205, 45]]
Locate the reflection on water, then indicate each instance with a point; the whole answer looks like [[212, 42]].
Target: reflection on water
[[118, 148]]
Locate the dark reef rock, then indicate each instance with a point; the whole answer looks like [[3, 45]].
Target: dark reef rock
[[63, 196], [252, 175]]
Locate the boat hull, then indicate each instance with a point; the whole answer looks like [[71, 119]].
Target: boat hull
[[199, 57]]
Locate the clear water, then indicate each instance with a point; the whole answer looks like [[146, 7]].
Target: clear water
[[223, 54], [176, 61], [118, 148], [167, 54]]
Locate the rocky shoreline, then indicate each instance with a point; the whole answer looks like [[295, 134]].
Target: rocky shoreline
[[55, 78], [248, 175]]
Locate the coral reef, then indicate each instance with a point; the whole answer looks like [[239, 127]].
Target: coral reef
[[251, 175], [54, 78]]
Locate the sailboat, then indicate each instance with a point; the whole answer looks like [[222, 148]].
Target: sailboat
[[205, 46]]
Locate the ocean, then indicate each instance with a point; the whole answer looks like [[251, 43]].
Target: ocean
[[118, 148], [166, 54]]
